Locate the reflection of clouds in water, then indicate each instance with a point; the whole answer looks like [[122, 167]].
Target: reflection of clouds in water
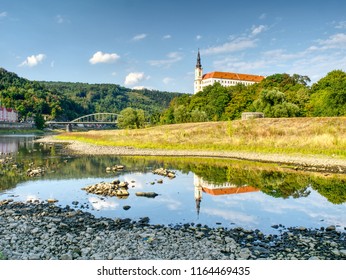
[[99, 204], [171, 203], [239, 199], [314, 207], [231, 216], [31, 197], [137, 177]]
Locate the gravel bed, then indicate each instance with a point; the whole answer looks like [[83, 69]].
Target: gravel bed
[[43, 231]]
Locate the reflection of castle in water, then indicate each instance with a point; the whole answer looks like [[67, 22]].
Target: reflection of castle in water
[[217, 189]]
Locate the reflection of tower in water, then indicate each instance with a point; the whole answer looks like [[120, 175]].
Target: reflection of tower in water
[[198, 195], [216, 189]]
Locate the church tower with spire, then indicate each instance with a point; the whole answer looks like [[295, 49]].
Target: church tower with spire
[[198, 74], [225, 79]]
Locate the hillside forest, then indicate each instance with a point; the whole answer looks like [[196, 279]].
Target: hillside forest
[[63, 101], [278, 95]]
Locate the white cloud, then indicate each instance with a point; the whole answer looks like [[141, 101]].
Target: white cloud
[[133, 78], [100, 57], [139, 88], [171, 58], [255, 30], [167, 37], [100, 204], [33, 60], [167, 80], [170, 203], [61, 19], [3, 15], [281, 55], [341, 25], [237, 65], [262, 16], [237, 44], [334, 41], [139, 37], [232, 216], [198, 37]]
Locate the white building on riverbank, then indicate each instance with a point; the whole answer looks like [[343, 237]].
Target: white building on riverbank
[[226, 79], [8, 115]]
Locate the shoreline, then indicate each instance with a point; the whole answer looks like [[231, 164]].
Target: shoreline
[[299, 162], [43, 231]]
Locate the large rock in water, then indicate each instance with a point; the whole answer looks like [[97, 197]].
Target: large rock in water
[[115, 188], [164, 172], [147, 194], [35, 172]]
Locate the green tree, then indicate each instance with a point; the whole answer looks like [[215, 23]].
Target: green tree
[[167, 117], [131, 118], [242, 98], [199, 116], [181, 114], [39, 121], [328, 95], [273, 104]]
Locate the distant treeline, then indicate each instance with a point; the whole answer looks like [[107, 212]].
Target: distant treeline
[[67, 101], [279, 95]]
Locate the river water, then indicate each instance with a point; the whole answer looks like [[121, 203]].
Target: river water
[[213, 192]]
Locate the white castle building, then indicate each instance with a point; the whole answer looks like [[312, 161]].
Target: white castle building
[[226, 79]]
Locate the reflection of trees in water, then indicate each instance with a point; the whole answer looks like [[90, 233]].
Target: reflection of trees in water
[[269, 178], [278, 183], [13, 170]]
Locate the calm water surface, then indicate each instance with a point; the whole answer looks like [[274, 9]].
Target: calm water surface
[[211, 192]]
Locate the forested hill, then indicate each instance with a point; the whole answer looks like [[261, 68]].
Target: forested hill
[[66, 100], [111, 98]]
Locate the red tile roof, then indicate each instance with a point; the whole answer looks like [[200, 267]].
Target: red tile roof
[[222, 191], [233, 76]]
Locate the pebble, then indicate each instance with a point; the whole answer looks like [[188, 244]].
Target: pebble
[[36, 234]]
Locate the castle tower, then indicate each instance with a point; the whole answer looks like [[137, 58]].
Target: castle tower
[[198, 74]]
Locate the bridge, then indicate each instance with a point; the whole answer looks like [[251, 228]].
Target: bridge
[[92, 119]]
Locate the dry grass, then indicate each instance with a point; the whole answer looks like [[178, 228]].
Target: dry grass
[[323, 136]]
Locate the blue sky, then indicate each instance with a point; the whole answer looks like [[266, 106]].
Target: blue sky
[[154, 43]]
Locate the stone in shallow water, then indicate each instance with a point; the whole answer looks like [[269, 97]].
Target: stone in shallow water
[[302, 228], [331, 228]]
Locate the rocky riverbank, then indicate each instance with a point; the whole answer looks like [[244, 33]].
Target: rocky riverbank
[[44, 231], [298, 162]]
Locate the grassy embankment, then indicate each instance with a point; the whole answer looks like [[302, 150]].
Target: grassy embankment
[[315, 136]]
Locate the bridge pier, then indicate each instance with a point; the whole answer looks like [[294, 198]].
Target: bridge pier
[[69, 127]]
